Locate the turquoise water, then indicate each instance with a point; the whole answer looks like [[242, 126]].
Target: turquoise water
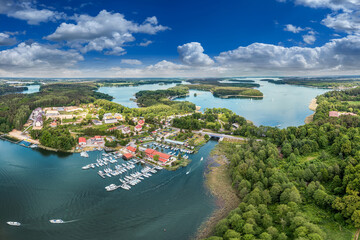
[[32, 89], [122, 95], [36, 186], [282, 105]]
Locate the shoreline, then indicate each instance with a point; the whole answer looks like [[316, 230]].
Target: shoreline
[[219, 184], [312, 106]]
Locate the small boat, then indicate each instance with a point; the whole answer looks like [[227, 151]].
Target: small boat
[[56, 221], [86, 167], [202, 158], [84, 154], [16, 224]]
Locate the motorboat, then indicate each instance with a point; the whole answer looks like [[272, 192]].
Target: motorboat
[[16, 224], [56, 221], [84, 154]]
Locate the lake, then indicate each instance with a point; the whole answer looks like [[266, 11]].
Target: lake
[[122, 95], [37, 186], [32, 89], [282, 105]]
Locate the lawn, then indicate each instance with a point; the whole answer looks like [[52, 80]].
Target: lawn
[[333, 230]]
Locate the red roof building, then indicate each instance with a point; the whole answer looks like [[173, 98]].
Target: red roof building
[[141, 122], [97, 137], [82, 141], [138, 128], [163, 157], [113, 129], [131, 149], [127, 156]]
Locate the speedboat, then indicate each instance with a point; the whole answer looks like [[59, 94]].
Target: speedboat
[[202, 158], [86, 167], [84, 154], [56, 221], [16, 224], [111, 187]]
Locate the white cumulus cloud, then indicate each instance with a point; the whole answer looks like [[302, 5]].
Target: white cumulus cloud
[[36, 55], [6, 39], [28, 11], [106, 31], [340, 54], [193, 54], [345, 22], [293, 29], [131, 61]]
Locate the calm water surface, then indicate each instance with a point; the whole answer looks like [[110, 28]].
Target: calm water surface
[[32, 89], [282, 105], [122, 95], [38, 186]]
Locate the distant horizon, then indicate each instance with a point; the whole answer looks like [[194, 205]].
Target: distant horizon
[[120, 78]]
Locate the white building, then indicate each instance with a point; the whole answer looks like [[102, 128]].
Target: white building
[[110, 120]]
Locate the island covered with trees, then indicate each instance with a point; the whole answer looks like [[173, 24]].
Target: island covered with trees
[[226, 88], [320, 82]]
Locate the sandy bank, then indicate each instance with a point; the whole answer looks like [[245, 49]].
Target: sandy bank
[[313, 105], [309, 119]]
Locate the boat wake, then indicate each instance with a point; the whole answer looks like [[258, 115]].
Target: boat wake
[[60, 221]]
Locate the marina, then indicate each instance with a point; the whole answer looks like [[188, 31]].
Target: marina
[[112, 165]]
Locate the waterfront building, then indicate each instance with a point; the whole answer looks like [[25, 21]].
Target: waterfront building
[[82, 141], [163, 157]]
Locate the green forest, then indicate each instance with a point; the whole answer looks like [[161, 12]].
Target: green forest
[[6, 89], [300, 182], [318, 82]]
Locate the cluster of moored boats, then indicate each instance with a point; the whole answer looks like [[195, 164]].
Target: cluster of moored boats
[[108, 158], [133, 178], [175, 149], [119, 169]]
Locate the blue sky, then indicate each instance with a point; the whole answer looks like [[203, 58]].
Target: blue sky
[[158, 38]]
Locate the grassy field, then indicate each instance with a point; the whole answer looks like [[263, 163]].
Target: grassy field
[[324, 219], [353, 103]]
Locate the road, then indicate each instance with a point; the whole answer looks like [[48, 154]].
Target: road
[[219, 135]]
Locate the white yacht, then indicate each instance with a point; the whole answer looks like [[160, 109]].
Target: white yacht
[[86, 167], [84, 154], [56, 221], [16, 224], [111, 187]]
